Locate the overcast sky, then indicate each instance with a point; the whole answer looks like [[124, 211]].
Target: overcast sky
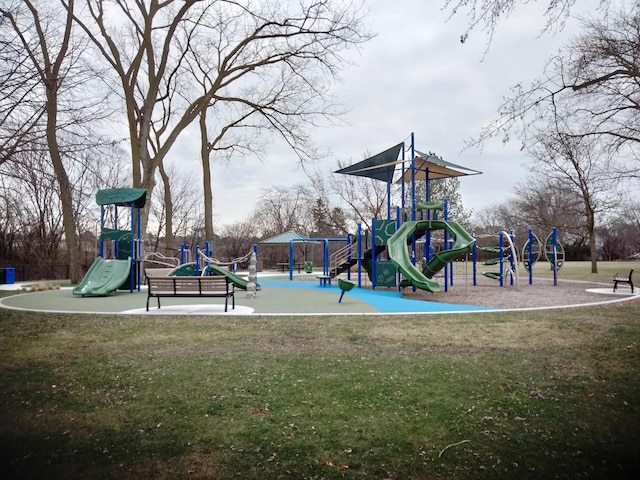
[[415, 76]]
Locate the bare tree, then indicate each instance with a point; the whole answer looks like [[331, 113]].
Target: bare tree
[[584, 167], [365, 198], [487, 14], [259, 47], [594, 81], [235, 241], [182, 200], [279, 210], [46, 46]]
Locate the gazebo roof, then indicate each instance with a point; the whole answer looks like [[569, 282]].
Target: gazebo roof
[[283, 238]]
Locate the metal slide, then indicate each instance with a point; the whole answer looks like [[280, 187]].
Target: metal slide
[[104, 277], [399, 253]]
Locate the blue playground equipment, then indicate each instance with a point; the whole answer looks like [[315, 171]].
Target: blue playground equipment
[[507, 259], [389, 251]]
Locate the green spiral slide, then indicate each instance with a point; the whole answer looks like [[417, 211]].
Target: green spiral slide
[[399, 253]]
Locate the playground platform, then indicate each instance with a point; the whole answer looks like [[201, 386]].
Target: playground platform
[[277, 296]]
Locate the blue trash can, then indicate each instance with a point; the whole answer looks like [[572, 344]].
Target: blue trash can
[[10, 276]]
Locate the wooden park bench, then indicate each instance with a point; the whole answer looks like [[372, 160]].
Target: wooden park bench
[[182, 286], [621, 278]]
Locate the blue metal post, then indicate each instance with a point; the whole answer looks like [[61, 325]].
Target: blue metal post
[[474, 259], [374, 256], [554, 239], [140, 246], [512, 261], [100, 233], [501, 260], [530, 257], [197, 260], [349, 246], [359, 253], [291, 253], [402, 202], [132, 270], [413, 178]]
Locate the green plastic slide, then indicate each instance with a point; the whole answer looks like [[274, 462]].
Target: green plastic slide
[[104, 277], [189, 269], [238, 281], [462, 245], [399, 253]]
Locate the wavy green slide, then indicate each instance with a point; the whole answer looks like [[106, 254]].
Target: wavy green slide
[[399, 253], [104, 277]]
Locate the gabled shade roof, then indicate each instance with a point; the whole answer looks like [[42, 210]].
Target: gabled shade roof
[[283, 238], [436, 167]]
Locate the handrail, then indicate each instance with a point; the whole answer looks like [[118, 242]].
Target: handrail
[[340, 256]]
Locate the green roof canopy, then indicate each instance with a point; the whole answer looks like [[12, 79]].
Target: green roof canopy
[[283, 238], [122, 197]]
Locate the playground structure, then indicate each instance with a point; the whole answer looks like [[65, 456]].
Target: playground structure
[[204, 264], [553, 252], [508, 259], [106, 275], [389, 252]]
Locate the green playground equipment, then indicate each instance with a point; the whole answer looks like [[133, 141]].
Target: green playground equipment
[[106, 276], [344, 286]]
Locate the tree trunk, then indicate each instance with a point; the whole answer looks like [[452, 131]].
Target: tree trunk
[[206, 176], [168, 210], [66, 197], [593, 252]]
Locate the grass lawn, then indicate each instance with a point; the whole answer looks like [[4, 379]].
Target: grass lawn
[[544, 394]]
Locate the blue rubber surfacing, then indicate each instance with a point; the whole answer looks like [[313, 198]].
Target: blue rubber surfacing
[[383, 301]]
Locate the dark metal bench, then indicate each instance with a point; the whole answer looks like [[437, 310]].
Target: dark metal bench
[[621, 278], [179, 286]]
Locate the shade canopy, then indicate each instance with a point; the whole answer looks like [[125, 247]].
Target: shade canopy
[[436, 168], [123, 197], [380, 167]]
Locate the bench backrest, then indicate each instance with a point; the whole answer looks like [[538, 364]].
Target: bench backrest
[[183, 284]]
